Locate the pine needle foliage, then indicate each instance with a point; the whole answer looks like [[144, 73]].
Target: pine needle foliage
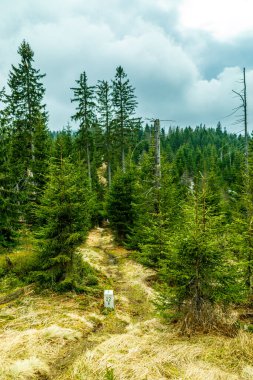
[[8, 207], [124, 104], [198, 270], [65, 218], [120, 204], [26, 116]]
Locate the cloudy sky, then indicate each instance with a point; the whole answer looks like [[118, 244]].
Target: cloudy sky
[[184, 57]]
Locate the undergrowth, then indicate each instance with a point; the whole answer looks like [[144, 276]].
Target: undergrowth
[[19, 266]]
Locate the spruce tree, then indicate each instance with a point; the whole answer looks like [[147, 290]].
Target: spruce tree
[[199, 268], [27, 117], [25, 102], [84, 97], [244, 221], [120, 204], [157, 212], [8, 209], [124, 103], [63, 145], [64, 216]]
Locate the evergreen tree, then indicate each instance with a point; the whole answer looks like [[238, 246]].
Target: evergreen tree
[[120, 204], [25, 102], [8, 210], [39, 170], [198, 267], [63, 145], [243, 219], [27, 119], [157, 213], [64, 216], [124, 103], [84, 96]]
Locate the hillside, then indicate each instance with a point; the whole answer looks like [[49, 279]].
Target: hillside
[[66, 337]]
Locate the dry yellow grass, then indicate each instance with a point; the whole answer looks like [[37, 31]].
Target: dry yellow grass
[[145, 348], [38, 331], [149, 351], [70, 337], [28, 354]]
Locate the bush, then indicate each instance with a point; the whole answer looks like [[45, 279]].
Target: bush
[[66, 285], [91, 280], [9, 282]]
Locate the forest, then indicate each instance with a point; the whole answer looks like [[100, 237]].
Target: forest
[[180, 200]]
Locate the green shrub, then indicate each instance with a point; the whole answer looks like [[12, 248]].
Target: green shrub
[[9, 282], [66, 285], [91, 280], [2, 272]]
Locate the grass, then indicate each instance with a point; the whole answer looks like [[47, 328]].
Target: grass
[[144, 348], [151, 352], [40, 329], [70, 337], [236, 353], [22, 260], [27, 354]]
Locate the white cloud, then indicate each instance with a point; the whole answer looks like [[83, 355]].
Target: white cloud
[[224, 19], [211, 101], [69, 36]]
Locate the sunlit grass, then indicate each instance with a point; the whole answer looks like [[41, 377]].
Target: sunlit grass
[[71, 337]]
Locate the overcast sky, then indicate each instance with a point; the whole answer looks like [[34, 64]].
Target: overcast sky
[[184, 57]]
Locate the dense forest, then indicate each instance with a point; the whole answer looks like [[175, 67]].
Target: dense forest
[[184, 209]]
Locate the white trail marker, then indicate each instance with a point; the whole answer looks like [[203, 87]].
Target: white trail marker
[[109, 299]]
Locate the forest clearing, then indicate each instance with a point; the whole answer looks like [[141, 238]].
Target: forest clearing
[[70, 336], [160, 216]]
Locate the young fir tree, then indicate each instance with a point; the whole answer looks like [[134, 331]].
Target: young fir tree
[[27, 119], [120, 204], [84, 96], [63, 145], [198, 268], [157, 212], [124, 103], [64, 216]]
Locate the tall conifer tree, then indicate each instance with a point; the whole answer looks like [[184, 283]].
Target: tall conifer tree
[[27, 119], [64, 216], [125, 103], [84, 97], [8, 211]]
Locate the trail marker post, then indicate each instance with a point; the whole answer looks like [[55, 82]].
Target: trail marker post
[[109, 299]]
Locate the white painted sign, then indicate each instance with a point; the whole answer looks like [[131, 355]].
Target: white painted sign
[[109, 299]]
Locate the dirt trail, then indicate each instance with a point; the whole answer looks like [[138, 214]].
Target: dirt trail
[[134, 311], [128, 279]]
